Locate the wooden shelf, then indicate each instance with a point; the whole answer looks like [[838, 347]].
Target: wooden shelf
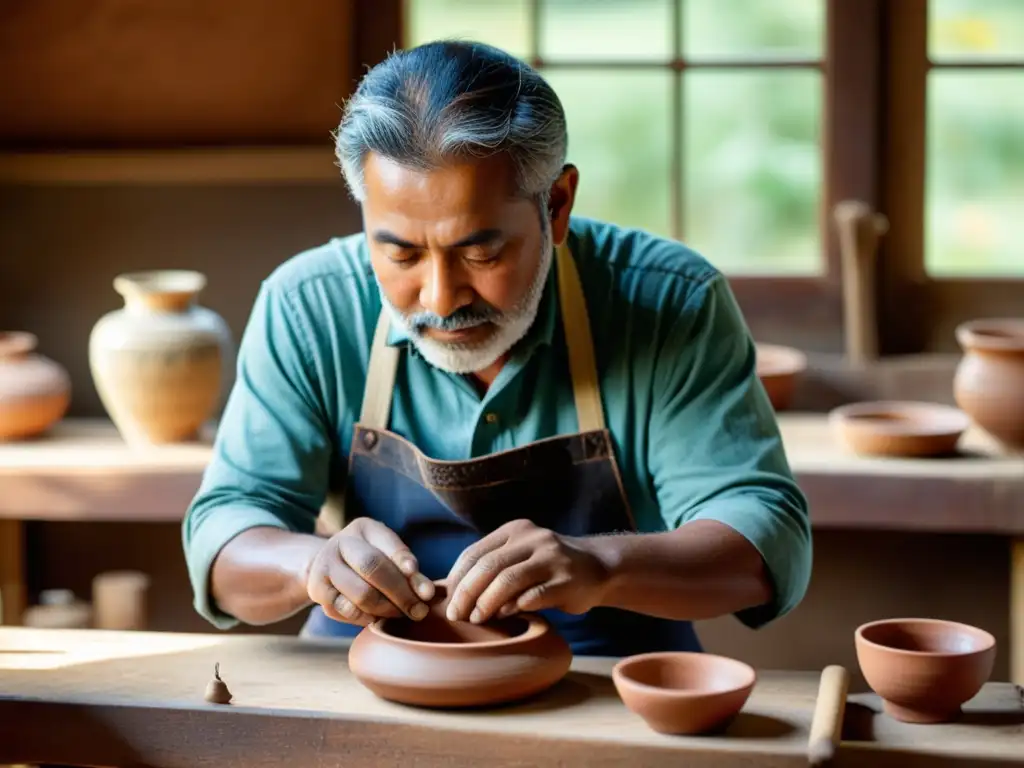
[[84, 471], [205, 165]]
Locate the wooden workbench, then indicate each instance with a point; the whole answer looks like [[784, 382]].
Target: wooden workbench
[[83, 471], [81, 697]]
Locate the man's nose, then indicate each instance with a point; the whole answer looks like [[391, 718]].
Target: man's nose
[[442, 292]]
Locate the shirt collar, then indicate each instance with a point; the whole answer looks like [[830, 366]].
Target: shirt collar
[[541, 332]]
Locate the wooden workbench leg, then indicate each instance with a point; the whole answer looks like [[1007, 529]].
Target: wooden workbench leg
[[1017, 611], [12, 572]]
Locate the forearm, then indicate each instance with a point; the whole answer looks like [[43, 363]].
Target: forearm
[[259, 577], [702, 570]]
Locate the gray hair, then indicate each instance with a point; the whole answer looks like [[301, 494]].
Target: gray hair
[[451, 100]]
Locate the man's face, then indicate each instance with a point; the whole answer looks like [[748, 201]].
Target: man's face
[[460, 260]]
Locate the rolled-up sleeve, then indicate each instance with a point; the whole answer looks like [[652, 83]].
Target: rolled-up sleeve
[[715, 450], [271, 458]]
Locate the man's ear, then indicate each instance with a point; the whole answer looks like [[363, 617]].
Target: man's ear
[[563, 195]]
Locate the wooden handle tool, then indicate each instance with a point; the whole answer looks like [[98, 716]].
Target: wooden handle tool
[[859, 231], [829, 709]]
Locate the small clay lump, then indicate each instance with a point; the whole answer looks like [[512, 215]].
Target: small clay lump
[[216, 691]]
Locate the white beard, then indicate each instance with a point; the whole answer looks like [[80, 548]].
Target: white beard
[[509, 328]]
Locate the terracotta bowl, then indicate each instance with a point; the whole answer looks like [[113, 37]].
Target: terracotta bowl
[[684, 693], [924, 669], [780, 369], [899, 428], [438, 663]]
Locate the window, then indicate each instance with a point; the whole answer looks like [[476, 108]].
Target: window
[[695, 119], [738, 125], [954, 168]]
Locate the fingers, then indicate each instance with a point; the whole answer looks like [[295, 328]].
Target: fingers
[[495, 569], [503, 595], [372, 581], [388, 542], [471, 556]]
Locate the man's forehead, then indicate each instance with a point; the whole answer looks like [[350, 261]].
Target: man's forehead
[[457, 185]]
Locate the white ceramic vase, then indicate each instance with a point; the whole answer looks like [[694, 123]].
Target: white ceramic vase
[[161, 363]]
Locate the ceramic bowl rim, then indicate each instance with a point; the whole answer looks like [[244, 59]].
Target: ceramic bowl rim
[[952, 421], [150, 281], [785, 361], [536, 626], [620, 675], [971, 334], [17, 342], [987, 639]]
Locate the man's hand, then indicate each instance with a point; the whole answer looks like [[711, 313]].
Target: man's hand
[[366, 572], [521, 567]]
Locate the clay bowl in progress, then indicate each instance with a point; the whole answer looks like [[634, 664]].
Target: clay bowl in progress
[[438, 663], [780, 369], [899, 428], [684, 693], [924, 669]]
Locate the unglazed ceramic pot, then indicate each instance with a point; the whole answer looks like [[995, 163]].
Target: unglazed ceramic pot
[[779, 369], [924, 669], [160, 364], [899, 428], [684, 693], [437, 663], [34, 390], [989, 382]]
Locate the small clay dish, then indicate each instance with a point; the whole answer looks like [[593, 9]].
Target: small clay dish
[[438, 663], [684, 693], [779, 369], [899, 428], [924, 669]]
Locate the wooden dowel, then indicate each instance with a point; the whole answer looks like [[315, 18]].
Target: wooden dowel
[[859, 231], [829, 710]]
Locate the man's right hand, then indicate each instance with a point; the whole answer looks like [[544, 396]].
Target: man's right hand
[[366, 572]]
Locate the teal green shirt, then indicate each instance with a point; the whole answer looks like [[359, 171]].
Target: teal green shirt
[[694, 433]]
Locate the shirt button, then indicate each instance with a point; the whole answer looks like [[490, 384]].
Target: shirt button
[[491, 418]]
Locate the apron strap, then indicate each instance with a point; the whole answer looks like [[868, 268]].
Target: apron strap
[[380, 377], [579, 343], [380, 374]]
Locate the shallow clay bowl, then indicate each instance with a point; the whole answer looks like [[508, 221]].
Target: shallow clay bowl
[[684, 693], [438, 663], [899, 428], [780, 369], [924, 669]]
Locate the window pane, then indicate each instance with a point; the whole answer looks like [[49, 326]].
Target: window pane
[[975, 173], [749, 28], [504, 23], [976, 29], [619, 138], [752, 169], [606, 29]]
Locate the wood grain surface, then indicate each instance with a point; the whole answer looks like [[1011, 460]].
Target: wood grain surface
[[90, 697]]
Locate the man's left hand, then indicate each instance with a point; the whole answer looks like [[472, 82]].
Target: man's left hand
[[522, 567]]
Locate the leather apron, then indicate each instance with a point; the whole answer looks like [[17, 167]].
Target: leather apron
[[569, 484]]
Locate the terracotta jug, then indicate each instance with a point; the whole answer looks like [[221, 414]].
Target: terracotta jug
[[989, 381], [161, 363], [34, 390]]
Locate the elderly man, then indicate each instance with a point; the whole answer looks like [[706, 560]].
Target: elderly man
[[548, 413]]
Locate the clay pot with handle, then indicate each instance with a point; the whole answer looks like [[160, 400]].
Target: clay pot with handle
[[34, 391], [989, 381], [160, 364]]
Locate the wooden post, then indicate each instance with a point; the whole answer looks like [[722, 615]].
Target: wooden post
[[1017, 611], [12, 576]]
